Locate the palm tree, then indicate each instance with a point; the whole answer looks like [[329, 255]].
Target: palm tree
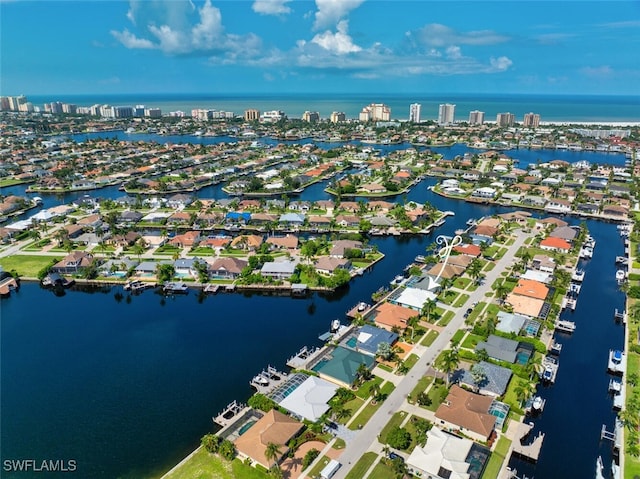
[[474, 270], [271, 452], [427, 308], [449, 362], [412, 323], [524, 390], [374, 391], [501, 291], [629, 419]]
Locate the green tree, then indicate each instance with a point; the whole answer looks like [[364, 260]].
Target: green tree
[[165, 272], [309, 457], [211, 442], [272, 452], [449, 361], [399, 438], [227, 449]]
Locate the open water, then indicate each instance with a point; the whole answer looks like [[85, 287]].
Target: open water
[[126, 385]]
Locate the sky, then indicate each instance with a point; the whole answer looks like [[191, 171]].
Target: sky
[[323, 46]]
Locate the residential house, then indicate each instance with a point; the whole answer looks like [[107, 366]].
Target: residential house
[[320, 222], [329, 265], [348, 221], [485, 192], [390, 316], [555, 244], [73, 231], [247, 242], [291, 219], [186, 240], [73, 263], [130, 217], [493, 383], [288, 242], [468, 412], [369, 338], [272, 428], [91, 221], [471, 250], [543, 263], [531, 289], [226, 268], [556, 205], [566, 233], [278, 269], [179, 218], [339, 247]]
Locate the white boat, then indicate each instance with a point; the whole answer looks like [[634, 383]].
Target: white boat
[[620, 275], [260, 380], [615, 470], [538, 403], [616, 363], [335, 325], [586, 252], [362, 306], [599, 468], [622, 260], [420, 259], [177, 287], [615, 385]]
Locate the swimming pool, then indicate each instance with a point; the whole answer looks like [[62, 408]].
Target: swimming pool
[[352, 342], [246, 426]]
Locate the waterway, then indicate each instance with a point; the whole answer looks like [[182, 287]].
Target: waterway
[[126, 385]]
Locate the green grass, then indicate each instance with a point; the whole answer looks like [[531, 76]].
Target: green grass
[[494, 465], [338, 443], [386, 368], [411, 361], [448, 297], [437, 393], [463, 298], [448, 316], [422, 384], [204, 465], [361, 419], [363, 391], [382, 471], [24, 264], [489, 267], [429, 338], [511, 398], [457, 337], [395, 421], [471, 340], [461, 283], [317, 469], [361, 467], [352, 406]]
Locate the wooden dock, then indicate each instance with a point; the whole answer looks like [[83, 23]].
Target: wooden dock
[[531, 450], [303, 358], [227, 415]]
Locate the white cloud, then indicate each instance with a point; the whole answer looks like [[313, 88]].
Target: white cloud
[[438, 35], [332, 11], [129, 40], [598, 72], [171, 41], [453, 52], [205, 33], [553, 38], [339, 42], [500, 63], [271, 7]]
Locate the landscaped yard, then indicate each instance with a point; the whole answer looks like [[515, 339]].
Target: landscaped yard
[[352, 406], [411, 361], [461, 300], [437, 394], [429, 338], [494, 465], [363, 391], [317, 469], [382, 471], [204, 465], [395, 421], [362, 466], [448, 316], [25, 265], [471, 340], [422, 384]]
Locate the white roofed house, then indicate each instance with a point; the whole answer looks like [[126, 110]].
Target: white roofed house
[[556, 205], [485, 192], [278, 269]]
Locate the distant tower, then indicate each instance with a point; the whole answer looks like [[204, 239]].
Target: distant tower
[[446, 114], [414, 112], [311, 116], [531, 120], [251, 115], [505, 119], [337, 117], [375, 112], [476, 117]]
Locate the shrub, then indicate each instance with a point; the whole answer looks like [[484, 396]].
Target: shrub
[[399, 438], [309, 457]]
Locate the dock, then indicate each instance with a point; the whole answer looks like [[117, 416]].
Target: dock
[[227, 415], [569, 302], [555, 348], [7, 285], [617, 363], [565, 326], [211, 288], [578, 276], [549, 371], [531, 450], [267, 380], [359, 309], [620, 316], [302, 358], [615, 436]]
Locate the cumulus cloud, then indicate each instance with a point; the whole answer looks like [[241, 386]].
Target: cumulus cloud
[[129, 40], [500, 63], [453, 52], [331, 12], [339, 42], [208, 29], [271, 7]]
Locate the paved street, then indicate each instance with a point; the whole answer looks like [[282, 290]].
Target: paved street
[[366, 439]]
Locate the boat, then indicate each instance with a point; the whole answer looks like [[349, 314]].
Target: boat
[[586, 252], [555, 348], [335, 325], [620, 275], [616, 363], [471, 222], [260, 380], [599, 468], [397, 280], [538, 403], [547, 374], [175, 287], [578, 275], [362, 306], [615, 386], [615, 470], [420, 259], [623, 260]]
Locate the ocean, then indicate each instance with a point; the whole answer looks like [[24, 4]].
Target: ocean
[[552, 108]]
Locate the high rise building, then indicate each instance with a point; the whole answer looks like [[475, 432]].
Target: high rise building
[[4, 103], [476, 117], [122, 111], [69, 108], [153, 112], [446, 114], [414, 112], [505, 119], [531, 120], [311, 116], [375, 112], [251, 115], [138, 111], [272, 116], [337, 116]]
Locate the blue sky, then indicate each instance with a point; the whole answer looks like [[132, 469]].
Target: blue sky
[[326, 46]]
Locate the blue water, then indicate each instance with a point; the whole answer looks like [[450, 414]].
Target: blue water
[[550, 107], [126, 385]]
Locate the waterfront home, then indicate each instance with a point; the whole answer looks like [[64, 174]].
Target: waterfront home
[[179, 200], [92, 239], [567, 233], [263, 218], [493, 383], [329, 265], [380, 221], [179, 218], [381, 206], [558, 206], [234, 217], [310, 399], [543, 263], [389, 316], [340, 247], [340, 365], [5, 235], [534, 201], [525, 305], [555, 244], [468, 412], [117, 267], [348, 221], [91, 221], [278, 270], [320, 222], [510, 322], [73, 263], [73, 231], [272, 428], [449, 183], [413, 298], [209, 219], [247, 242], [369, 338], [187, 267], [460, 260], [485, 231], [130, 217], [504, 349], [443, 455], [249, 204], [531, 289], [471, 250], [186, 240], [157, 217], [484, 192], [226, 268], [446, 271], [552, 221], [291, 219], [616, 211], [288, 242]]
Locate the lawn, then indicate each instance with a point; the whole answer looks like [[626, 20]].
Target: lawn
[[363, 391], [463, 298], [448, 316], [429, 338], [489, 267], [471, 340], [361, 419], [362, 466], [511, 398], [204, 465], [352, 406], [411, 361], [448, 297], [461, 283], [26, 265], [437, 393], [494, 465], [457, 337], [395, 421], [422, 384], [317, 469], [382, 471]]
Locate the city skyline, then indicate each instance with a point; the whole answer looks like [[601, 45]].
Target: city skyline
[[267, 46]]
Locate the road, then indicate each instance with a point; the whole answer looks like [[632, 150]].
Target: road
[[366, 439]]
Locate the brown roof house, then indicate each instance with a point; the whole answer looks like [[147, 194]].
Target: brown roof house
[[283, 242], [468, 412], [226, 268], [274, 427], [74, 262]]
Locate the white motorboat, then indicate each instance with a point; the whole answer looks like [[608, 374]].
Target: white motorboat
[[620, 275], [599, 468], [537, 404]]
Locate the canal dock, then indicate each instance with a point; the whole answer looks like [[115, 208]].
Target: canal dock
[[530, 450]]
